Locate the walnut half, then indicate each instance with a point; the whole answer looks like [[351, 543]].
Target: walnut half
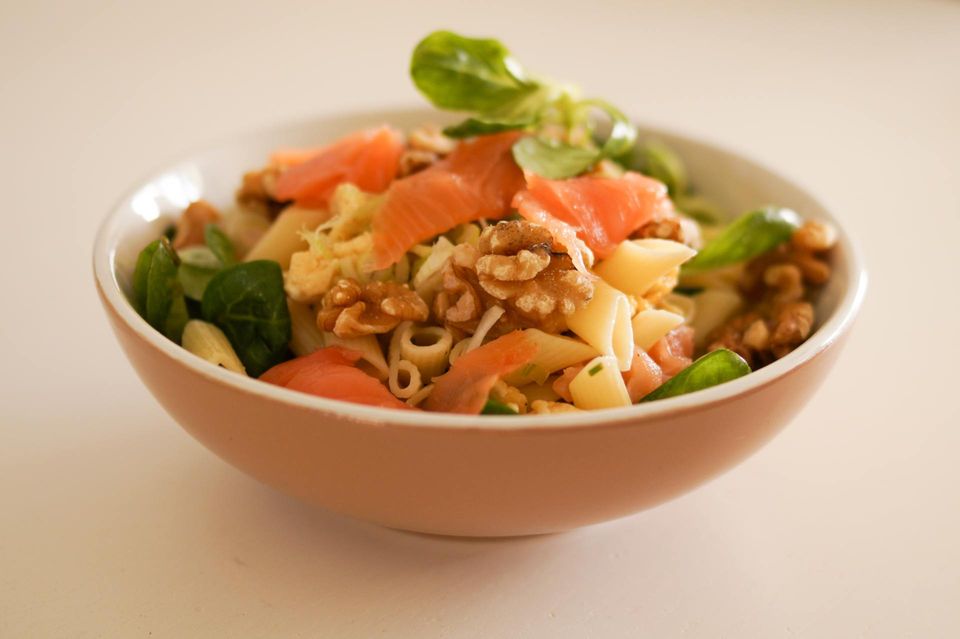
[[351, 309], [516, 266]]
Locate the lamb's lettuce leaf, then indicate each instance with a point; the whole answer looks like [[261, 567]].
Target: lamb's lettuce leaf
[[714, 368]]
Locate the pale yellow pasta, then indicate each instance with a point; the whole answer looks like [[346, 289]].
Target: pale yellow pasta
[[604, 323], [245, 229], [546, 407], [393, 349], [404, 380], [599, 385], [490, 317], [283, 238], [714, 307], [652, 324], [554, 352], [540, 392], [681, 305], [306, 336], [418, 398], [428, 348], [371, 355], [207, 341], [636, 265]]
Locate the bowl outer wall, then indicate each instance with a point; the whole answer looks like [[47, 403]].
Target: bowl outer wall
[[489, 480], [470, 481]]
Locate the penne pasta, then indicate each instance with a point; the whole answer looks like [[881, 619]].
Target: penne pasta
[[652, 324], [404, 380], [554, 353], [428, 348], [283, 237], [681, 305], [207, 341], [540, 392], [636, 265], [599, 385], [245, 229], [305, 335], [371, 355], [604, 323], [714, 307]]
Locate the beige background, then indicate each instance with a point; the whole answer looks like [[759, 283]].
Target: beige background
[[113, 522]]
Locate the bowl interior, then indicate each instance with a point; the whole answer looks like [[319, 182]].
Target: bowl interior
[[734, 182]]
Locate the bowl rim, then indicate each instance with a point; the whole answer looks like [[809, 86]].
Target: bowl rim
[[830, 331]]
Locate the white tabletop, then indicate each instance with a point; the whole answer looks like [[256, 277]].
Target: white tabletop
[[115, 523]]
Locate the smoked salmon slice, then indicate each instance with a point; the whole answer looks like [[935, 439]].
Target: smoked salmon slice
[[477, 180], [367, 159], [674, 351], [331, 372], [603, 211], [466, 386], [643, 377]]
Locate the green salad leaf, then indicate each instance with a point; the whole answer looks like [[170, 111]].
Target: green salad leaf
[[622, 135], [218, 243], [468, 74], [479, 75], [496, 407], [714, 368], [198, 265], [748, 236], [157, 292], [247, 302], [660, 162], [485, 126], [553, 160]]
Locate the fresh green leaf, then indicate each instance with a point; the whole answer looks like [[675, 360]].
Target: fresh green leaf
[[553, 160], [622, 135], [157, 292], [496, 407], [469, 74], [248, 303], [713, 368], [484, 126], [699, 208], [198, 265], [596, 369], [221, 246], [748, 236], [660, 162]]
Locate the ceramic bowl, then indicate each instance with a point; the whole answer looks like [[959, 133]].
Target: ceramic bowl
[[451, 474]]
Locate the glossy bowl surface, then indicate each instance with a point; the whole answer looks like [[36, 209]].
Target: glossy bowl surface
[[451, 474]]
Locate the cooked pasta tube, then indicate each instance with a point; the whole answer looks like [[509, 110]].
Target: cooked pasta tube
[[207, 341], [599, 385], [305, 335], [604, 323], [681, 305], [428, 348], [371, 355], [283, 239], [554, 352], [636, 265], [652, 324], [714, 307], [404, 380], [417, 398]]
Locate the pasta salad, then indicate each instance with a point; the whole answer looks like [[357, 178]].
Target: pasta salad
[[534, 258]]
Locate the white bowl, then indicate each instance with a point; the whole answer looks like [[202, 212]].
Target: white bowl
[[454, 474]]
